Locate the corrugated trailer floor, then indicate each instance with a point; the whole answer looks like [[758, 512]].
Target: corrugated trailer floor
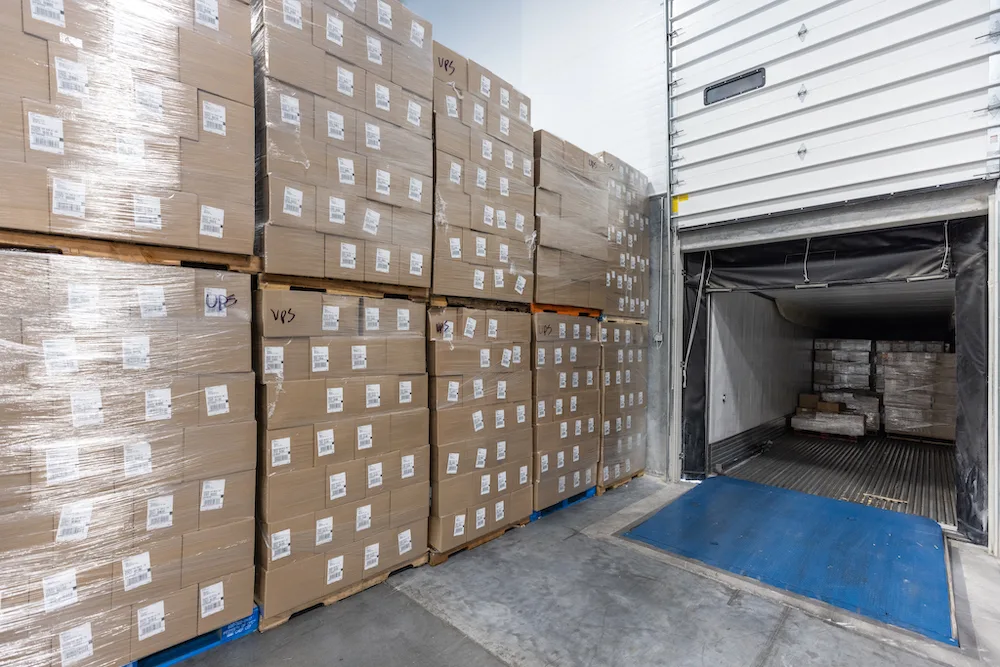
[[902, 475]]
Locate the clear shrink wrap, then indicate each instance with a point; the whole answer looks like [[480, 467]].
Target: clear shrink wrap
[[919, 392], [627, 277]]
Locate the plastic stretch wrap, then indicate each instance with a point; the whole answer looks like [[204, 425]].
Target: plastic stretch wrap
[[566, 366], [344, 448], [627, 276], [832, 423], [484, 195], [857, 403], [920, 392], [344, 140], [624, 397], [128, 480], [128, 120], [841, 364], [481, 444]]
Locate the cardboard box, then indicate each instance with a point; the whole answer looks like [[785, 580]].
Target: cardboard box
[[210, 66], [450, 67], [164, 623], [215, 552], [293, 252], [225, 600], [290, 494]]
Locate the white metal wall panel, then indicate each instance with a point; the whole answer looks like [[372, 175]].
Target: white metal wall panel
[[758, 363], [862, 98]]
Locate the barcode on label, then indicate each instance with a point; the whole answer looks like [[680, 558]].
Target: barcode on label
[[71, 78], [213, 494], [45, 133], [69, 198], [213, 599], [371, 556], [152, 620], [345, 82], [136, 571], [76, 645], [50, 11], [160, 513], [293, 13]]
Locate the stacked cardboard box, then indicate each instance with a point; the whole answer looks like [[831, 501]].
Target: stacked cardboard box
[[817, 414], [566, 363], [842, 363], [627, 274], [128, 120], [623, 400], [127, 465], [936, 347], [344, 447], [920, 393], [345, 157], [571, 209], [480, 397], [484, 196]]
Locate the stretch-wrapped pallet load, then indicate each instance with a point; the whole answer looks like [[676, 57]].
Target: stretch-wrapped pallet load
[[484, 188], [571, 223], [481, 445], [916, 346], [128, 120], [566, 364], [841, 364], [627, 274], [919, 393], [623, 400], [128, 480], [344, 149], [343, 447]]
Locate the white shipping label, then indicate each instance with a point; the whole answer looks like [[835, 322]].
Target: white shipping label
[[541, 409], [382, 99], [213, 494], [502, 481], [576, 479], [416, 264], [526, 167], [590, 476], [572, 399], [455, 173], [135, 353], [459, 525], [504, 253], [293, 202], [384, 17], [576, 380], [363, 518], [383, 181], [545, 462], [76, 645], [502, 388], [413, 113], [159, 513], [481, 457], [478, 113], [334, 570], [45, 133], [274, 361], [451, 103], [382, 259], [504, 98], [86, 407], [138, 459], [523, 475], [499, 510], [501, 219], [480, 246], [61, 356], [481, 178], [628, 466], [281, 452], [407, 466], [372, 220], [136, 571], [159, 405], [484, 357], [213, 118], [488, 212], [558, 354], [558, 406], [345, 169], [331, 318], [562, 484], [212, 599], [519, 222], [480, 518], [71, 78], [508, 158], [212, 221], [455, 245], [292, 13], [216, 301], [504, 125], [506, 358], [562, 380], [492, 328], [152, 301], [59, 590], [477, 421], [487, 149], [74, 521], [334, 399], [335, 125], [345, 83], [50, 11], [520, 284], [607, 475], [517, 354], [417, 32], [590, 378], [206, 13], [375, 475], [453, 464], [470, 325], [324, 530], [576, 448], [500, 419], [416, 189], [290, 112], [453, 392], [69, 198], [338, 485], [152, 620], [563, 433], [484, 485], [334, 30], [217, 400], [541, 356], [478, 279], [402, 319], [523, 115], [485, 85], [404, 541], [502, 450], [147, 213], [373, 136], [365, 436], [448, 330], [348, 256], [478, 388], [405, 392], [373, 396], [324, 442], [338, 211], [572, 353]]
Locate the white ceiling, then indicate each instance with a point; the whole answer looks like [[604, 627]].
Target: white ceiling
[[896, 299]]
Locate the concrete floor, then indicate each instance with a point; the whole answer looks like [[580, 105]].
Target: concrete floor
[[567, 591]]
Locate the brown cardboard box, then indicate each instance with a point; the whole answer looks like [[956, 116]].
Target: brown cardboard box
[[217, 551], [453, 138], [353, 217], [292, 251], [283, 359], [380, 139], [346, 84], [225, 600], [288, 450], [289, 204], [289, 58], [235, 501], [165, 622], [291, 494], [409, 503], [107, 633], [219, 449], [216, 68], [450, 67], [296, 158], [226, 398], [283, 543], [165, 512], [336, 123], [147, 573], [286, 313], [345, 483], [392, 183]]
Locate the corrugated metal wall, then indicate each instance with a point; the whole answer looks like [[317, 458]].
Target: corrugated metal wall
[[758, 363], [862, 98]]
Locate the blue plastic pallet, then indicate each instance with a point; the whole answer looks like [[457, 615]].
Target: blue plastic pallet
[[198, 645], [563, 504]]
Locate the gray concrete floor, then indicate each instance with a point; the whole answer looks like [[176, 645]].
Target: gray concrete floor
[[567, 591]]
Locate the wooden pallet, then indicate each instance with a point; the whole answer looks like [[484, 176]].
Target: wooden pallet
[[439, 301], [574, 311], [564, 503], [342, 287], [440, 557], [601, 490], [614, 319], [122, 251], [282, 618]]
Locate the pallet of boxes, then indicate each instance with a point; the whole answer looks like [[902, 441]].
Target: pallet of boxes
[[623, 402], [919, 388], [345, 157], [484, 191], [128, 480], [843, 403], [481, 437]]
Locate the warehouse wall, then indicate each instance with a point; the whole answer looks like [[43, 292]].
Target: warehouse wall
[[559, 53], [758, 363]]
